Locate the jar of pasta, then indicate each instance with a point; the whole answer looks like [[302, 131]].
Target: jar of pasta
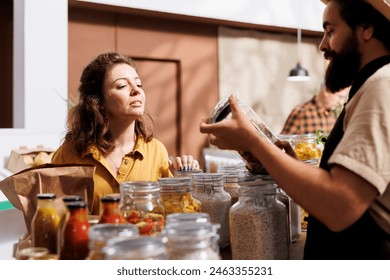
[[140, 205], [208, 188], [176, 195], [258, 221], [306, 148]]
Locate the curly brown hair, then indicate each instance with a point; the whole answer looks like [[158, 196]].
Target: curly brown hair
[[88, 123]]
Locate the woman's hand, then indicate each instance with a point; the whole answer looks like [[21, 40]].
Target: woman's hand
[[185, 162], [236, 133]]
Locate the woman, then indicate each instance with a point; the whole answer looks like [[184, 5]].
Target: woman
[[110, 129]]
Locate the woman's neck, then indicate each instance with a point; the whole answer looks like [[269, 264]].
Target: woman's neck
[[124, 137]]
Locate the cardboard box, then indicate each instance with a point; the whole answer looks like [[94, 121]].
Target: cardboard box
[[24, 158]]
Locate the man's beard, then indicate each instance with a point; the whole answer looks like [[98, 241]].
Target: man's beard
[[343, 66]]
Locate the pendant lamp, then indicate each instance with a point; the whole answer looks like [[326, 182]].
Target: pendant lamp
[[298, 73]]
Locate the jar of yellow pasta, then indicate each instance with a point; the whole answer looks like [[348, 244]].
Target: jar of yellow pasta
[[306, 148], [176, 195]]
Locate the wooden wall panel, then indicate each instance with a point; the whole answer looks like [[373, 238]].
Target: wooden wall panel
[[192, 46]]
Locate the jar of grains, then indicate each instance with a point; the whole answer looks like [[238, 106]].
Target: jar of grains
[[191, 241], [140, 205], [176, 195], [208, 189], [137, 248], [232, 173], [259, 223], [100, 234]]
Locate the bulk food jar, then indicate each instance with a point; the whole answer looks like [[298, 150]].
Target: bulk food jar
[[222, 111], [140, 205], [232, 173], [138, 248], [100, 234], [258, 223], [176, 195], [214, 200], [191, 241]]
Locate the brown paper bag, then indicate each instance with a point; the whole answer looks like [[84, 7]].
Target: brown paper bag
[[21, 189]]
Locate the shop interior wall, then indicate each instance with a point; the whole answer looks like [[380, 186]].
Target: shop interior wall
[[177, 62]]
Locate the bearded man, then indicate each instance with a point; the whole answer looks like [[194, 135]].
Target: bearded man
[[348, 197]]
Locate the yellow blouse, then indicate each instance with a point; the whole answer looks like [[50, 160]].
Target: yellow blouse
[[147, 162]]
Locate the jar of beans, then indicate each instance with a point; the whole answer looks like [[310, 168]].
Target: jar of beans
[[259, 223]]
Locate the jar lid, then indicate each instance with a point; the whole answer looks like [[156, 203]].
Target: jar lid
[[175, 184], [103, 232], [110, 198], [46, 196], [70, 198], [142, 247], [76, 204], [140, 187], [201, 217], [186, 173], [189, 230], [209, 179]]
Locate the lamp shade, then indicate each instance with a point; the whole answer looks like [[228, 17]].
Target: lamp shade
[[298, 73]]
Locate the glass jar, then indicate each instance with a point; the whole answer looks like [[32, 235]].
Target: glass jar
[[44, 224], [232, 174], [294, 215], [258, 222], [74, 237], [32, 253], [176, 195], [214, 200], [222, 111], [186, 173], [306, 148], [187, 217], [191, 241], [101, 234], [111, 213], [138, 248], [140, 205]]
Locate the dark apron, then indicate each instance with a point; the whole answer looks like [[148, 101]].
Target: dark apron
[[363, 240]]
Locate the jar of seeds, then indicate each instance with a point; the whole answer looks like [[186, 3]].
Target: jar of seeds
[[176, 195], [258, 222], [208, 189]]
